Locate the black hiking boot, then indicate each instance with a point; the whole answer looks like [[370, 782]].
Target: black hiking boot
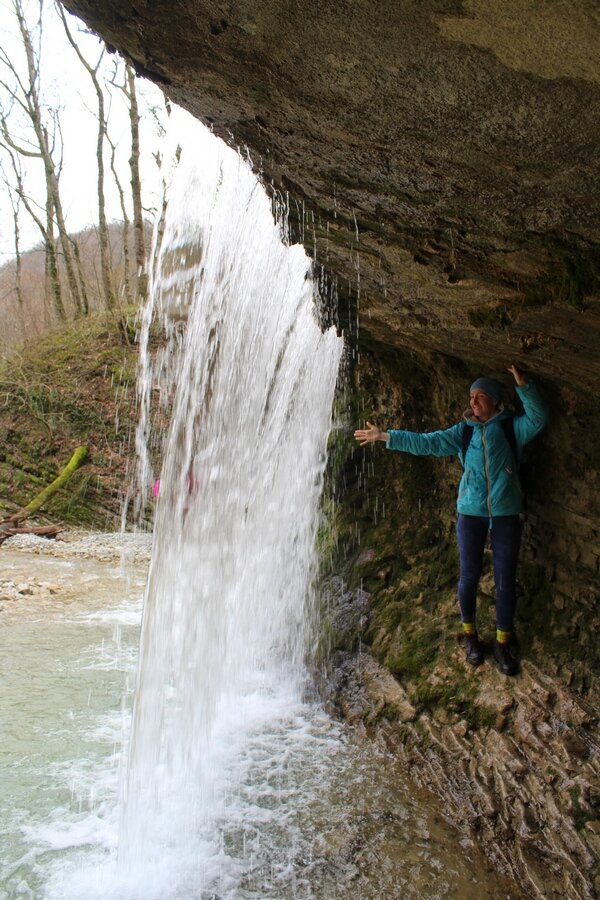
[[507, 663], [473, 651]]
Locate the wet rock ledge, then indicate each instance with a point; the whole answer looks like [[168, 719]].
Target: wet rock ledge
[[525, 787], [440, 158]]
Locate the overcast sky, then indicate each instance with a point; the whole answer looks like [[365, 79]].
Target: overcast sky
[[67, 86]]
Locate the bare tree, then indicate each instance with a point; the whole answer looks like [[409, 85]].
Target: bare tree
[[32, 144], [126, 222], [15, 203], [103, 234], [46, 228], [136, 184], [24, 94]]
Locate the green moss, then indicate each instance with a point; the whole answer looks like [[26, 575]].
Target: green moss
[[537, 293], [443, 570], [580, 815], [534, 609], [392, 615], [457, 695], [544, 631], [492, 315], [578, 276], [418, 653], [327, 530], [443, 694], [389, 713], [572, 273], [589, 439], [480, 716], [425, 740]]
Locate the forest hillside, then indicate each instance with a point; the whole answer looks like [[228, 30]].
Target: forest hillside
[[74, 387]]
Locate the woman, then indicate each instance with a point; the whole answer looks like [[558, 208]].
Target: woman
[[490, 498]]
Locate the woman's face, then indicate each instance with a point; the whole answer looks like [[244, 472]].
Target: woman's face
[[483, 406]]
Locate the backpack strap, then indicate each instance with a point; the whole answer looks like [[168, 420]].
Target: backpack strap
[[467, 434], [508, 427]]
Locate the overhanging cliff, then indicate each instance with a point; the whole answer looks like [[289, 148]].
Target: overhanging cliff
[[444, 150], [441, 160]]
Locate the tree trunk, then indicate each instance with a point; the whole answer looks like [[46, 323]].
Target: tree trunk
[[69, 246], [48, 531], [103, 236], [52, 272], [136, 187], [126, 225], [33, 105], [79, 457]]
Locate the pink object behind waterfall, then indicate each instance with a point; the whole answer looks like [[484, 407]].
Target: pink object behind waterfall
[[192, 485]]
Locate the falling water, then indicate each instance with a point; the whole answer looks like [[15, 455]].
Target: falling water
[[243, 389]]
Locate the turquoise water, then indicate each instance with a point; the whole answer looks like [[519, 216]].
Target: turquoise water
[[301, 808]]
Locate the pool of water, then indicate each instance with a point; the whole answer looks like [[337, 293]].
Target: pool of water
[[301, 808]]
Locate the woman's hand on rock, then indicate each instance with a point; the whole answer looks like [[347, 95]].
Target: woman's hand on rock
[[518, 375], [370, 434]]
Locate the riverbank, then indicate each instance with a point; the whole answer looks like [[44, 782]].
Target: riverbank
[[23, 555]]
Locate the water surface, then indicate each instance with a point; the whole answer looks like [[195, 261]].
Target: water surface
[[301, 808]]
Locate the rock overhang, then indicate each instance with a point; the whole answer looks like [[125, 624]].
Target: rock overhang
[[440, 155]]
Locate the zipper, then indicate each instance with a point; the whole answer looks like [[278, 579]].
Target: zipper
[[487, 471]]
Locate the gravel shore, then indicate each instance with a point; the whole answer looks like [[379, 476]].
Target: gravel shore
[[108, 546]]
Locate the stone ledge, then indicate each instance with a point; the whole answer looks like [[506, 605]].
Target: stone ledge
[[529, 792]]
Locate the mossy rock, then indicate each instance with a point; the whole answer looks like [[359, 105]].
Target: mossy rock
[[419, 652]]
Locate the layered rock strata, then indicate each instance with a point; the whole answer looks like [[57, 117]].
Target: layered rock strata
[[525, 788]]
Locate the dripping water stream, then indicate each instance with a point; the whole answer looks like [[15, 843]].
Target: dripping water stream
[[235, 784]]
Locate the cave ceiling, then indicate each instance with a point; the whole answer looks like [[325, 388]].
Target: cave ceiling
[[441, 157]]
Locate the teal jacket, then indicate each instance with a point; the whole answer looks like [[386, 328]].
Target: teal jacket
[[490, 484]]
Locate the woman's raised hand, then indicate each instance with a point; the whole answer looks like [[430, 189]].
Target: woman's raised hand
[[518, 375], [370, 434]]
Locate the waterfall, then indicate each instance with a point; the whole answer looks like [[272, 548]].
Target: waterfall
[[237, 383]]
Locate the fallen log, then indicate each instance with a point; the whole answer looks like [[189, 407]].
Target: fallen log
[[11, 525], [49, 531]]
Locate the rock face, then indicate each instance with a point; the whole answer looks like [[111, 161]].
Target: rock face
[[501, 783], [443, 151], [441, 163]]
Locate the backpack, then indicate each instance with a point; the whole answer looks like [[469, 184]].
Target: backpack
[[524, 470], [508, 427]]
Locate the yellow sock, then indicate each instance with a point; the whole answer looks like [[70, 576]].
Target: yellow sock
[[469, 627], [503, 637]]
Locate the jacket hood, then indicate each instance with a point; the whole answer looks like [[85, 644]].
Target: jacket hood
[[469, 417]]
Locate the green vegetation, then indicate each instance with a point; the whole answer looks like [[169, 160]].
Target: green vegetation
[[535, 603], [73, 388], [458, 696], [571, 276], [580, 815], [419, 652], [492, 315], [577, 277]]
